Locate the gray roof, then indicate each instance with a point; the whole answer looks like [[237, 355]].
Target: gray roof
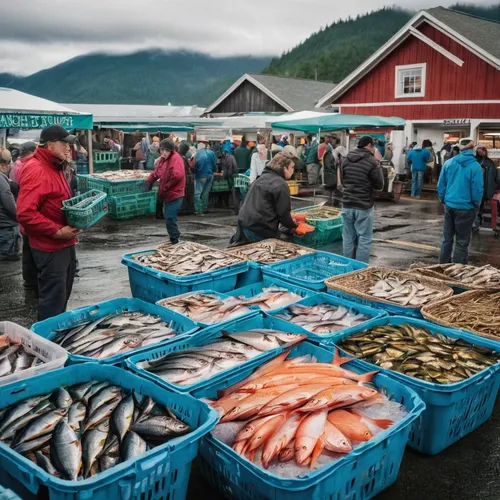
[[482, 32], [299, 93]]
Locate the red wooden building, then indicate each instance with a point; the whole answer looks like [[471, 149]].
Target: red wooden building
[[441, 72]]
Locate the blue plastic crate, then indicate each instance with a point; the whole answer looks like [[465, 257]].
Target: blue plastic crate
[[253, 275], [6, 494], [453, 410], [322, 298], [360, 475], [221, 296], [257, 320], [310, 271], [160, 473], [152, 285], [256, 288], [184, 326]]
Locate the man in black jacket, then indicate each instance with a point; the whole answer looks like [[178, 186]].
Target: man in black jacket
[[267, 203], [361, 176]]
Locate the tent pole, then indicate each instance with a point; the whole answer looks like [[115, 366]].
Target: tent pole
[[90, 151]]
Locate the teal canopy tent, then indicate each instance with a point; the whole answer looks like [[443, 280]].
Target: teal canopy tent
[[337, 122], [149, 127]]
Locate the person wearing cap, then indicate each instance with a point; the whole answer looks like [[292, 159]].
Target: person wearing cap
[[43, 190], [460, 189], [170, 171], [9, 228], [27, 149], [418, 158], [267, 204], [205, 163], [490, 182], [361, 175]]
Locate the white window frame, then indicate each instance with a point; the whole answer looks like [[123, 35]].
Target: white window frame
[[399, 69]]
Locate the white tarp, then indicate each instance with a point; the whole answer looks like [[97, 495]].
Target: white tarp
[[14, 101]]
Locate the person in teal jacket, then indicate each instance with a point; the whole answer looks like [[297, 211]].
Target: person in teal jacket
[[418, 158], [205, 163], [460, 188]]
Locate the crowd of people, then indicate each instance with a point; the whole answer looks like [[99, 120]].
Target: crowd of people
[[36, 180]]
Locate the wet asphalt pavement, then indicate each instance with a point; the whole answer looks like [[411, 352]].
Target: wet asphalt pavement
[[404, 233]]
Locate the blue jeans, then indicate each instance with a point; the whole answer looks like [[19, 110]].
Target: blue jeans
[[417, 181], [10, 243], [252, 237], [171, 209], [457, 226], [357, 233], [201, 191]]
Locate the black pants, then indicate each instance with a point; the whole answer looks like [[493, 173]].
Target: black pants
[[56, 272], [30, 272]]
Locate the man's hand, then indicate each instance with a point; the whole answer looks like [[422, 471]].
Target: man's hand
[[66, 233]]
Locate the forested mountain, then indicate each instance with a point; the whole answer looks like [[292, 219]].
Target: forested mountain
[[147, 77], [336, 50]]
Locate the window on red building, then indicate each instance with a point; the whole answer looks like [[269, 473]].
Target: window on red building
[[410, 80]]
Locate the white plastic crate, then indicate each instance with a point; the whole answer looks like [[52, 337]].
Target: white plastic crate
[[52, 355]]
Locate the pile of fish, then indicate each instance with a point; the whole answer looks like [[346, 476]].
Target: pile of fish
[[113, 334], [476, 311], [320, 213], [122, 175], [269, 251], [486, 276], [234, 348], [187, 258], [403, 291], [76, 432], [299, 409], [415, 352], [322, 318], [14, 358]]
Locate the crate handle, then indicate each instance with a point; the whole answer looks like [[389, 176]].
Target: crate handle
[[226, 459], [147, 465]]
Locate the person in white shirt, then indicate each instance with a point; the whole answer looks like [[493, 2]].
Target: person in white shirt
[[258, 162]]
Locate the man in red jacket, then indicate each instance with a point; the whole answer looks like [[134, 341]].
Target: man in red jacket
[[43, 189], [171, 172]]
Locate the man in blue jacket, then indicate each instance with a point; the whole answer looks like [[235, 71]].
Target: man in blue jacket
[[418, 158], [205, 163], [460, 188]]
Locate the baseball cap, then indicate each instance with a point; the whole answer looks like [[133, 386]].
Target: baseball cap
[[56, 133], [290, 152], [365, 141], [5, 156], [167, 144], [466, 143]]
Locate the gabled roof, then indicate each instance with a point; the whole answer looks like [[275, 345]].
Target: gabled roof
[[480, 36], [294, 94]]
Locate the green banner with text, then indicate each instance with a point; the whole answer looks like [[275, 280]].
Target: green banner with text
[[29, 121]]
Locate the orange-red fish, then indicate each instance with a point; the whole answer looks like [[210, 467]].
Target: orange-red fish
[[352, 425], [307, 435], [334, 440], [264, 432], [249, 430], [287, 453]]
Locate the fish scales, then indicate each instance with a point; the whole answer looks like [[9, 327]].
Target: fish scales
[[14, 358]]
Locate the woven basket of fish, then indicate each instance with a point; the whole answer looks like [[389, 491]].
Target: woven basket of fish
[[101, 433], [84, 210], [24, 354], [456, 374], [325, 317], [207, 307], [270, 294], [110, 331], [398, 292], [269, 251], [311, 271], [462, 276], [316, 450], [476, 312], [177, 269], [215, 353]]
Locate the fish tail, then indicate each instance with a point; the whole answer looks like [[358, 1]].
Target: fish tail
[[318, 449], [340, 360], [383, 423], [366, 377]]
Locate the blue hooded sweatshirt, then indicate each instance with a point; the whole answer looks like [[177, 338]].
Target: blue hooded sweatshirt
[[461, 182], [419, 158], [204, 164]]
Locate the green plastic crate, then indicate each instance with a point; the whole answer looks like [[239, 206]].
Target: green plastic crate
[[219, 185], [321, 224], [105, 157], [88, 214], [82, 183], [111, 188], [242, 182], [132, 205], [320, 237]]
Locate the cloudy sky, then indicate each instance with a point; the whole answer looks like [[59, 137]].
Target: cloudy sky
[[37, 34]]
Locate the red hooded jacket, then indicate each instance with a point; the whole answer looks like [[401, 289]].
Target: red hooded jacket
[[43, 188], [172, 175]]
